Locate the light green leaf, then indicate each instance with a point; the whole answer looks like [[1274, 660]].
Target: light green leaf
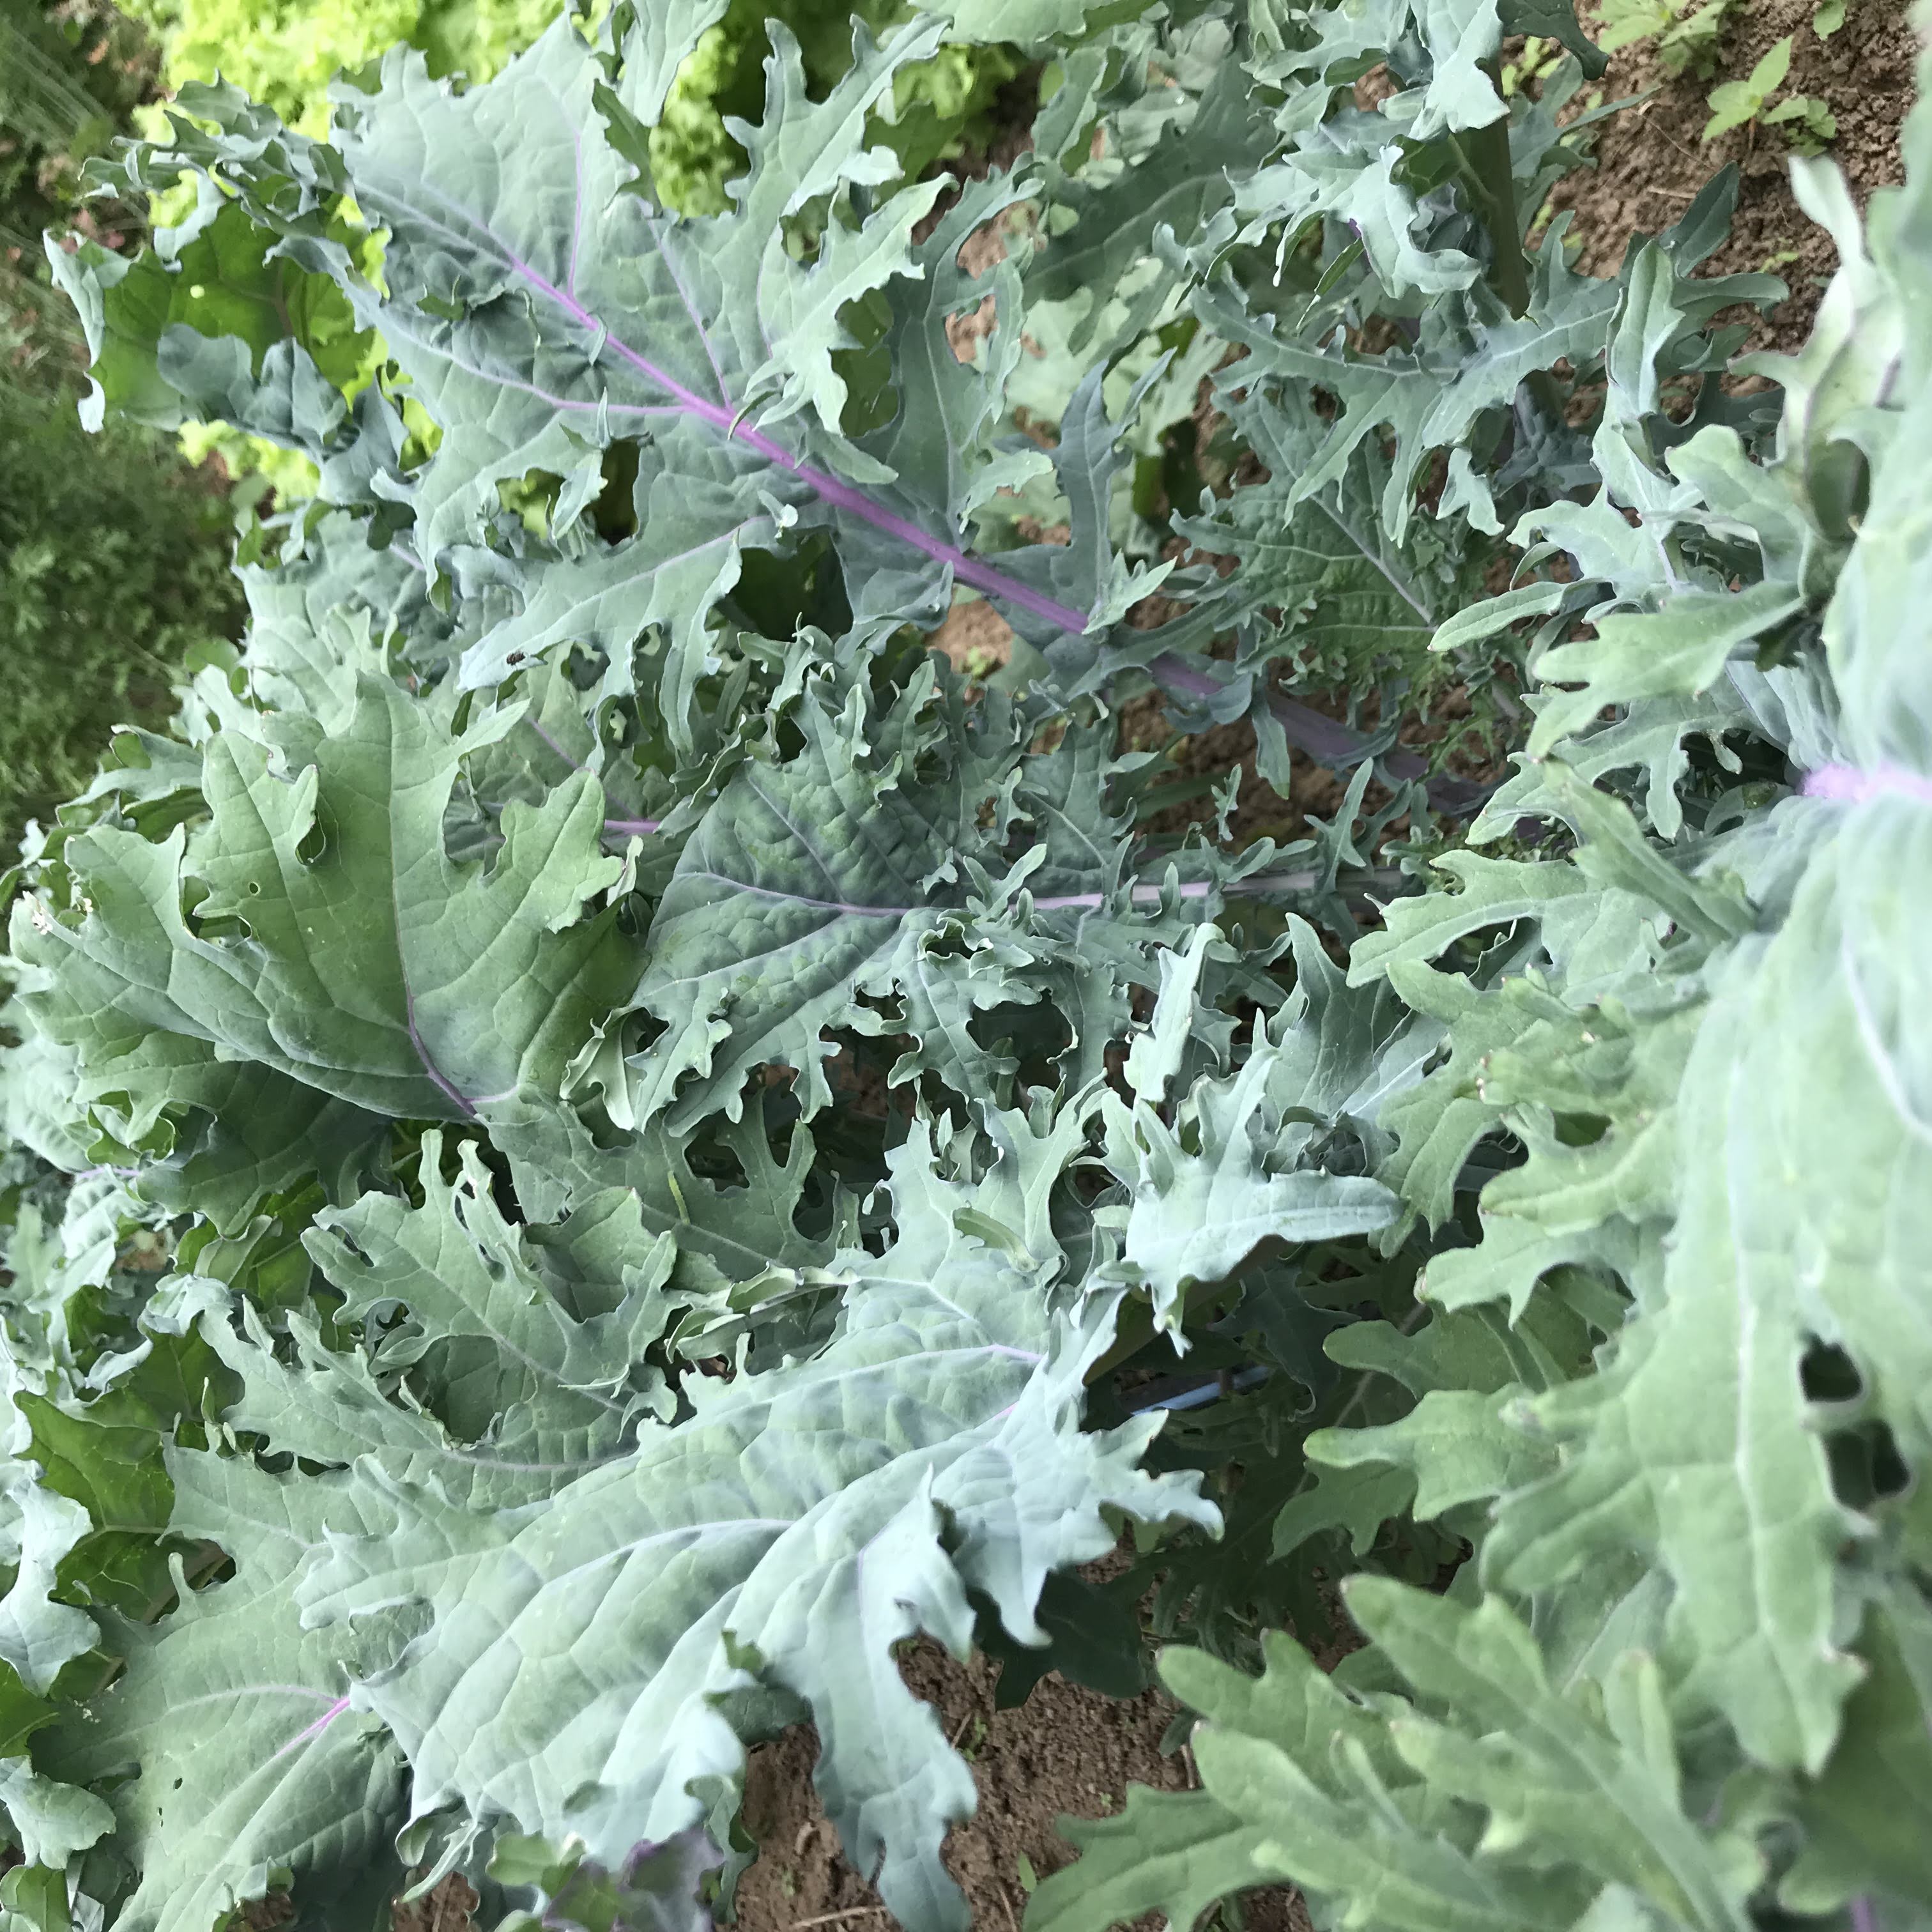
[[1208, 1191], [363, 962], [798, 1510], [1027, 24], [53, 1821], [247, 1760], [1679, 652], [1456, 1446], [37, 1635], [1696, 1442], [1428, 398], [1116, 219], [1607, 1791], [1177, 1853], [455, 1264]]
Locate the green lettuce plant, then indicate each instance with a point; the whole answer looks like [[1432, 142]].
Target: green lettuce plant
[[687, 1148]]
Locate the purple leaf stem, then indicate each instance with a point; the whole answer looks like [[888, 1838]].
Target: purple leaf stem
[[968, 569], [1321, 737], [321, 1723], [438, 1078], [1850, 784]]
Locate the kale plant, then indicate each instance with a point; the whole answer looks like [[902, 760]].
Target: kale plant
[[1665, 1386], [687, 1145]]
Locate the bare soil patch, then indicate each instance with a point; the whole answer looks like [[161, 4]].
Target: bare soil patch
[[1650, 160], [1066, 1750]]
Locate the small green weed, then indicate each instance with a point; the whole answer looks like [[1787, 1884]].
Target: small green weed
[[1686, 33], [1734, 103], [1538, 56]]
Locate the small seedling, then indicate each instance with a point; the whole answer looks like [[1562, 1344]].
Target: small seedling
[[1686, 34], [1828, 18], [1813, 125], [1029, 1879], [1736, 102], [1537, 58], [1621, 23]]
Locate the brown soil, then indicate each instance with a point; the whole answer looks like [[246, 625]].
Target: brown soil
[[1651, 162], [1065, 1750]]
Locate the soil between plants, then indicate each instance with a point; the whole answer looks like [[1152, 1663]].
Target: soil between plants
[[1066, 1750], [1650, 160]]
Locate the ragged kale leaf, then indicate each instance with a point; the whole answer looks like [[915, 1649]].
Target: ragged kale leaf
[[1657, 1368], [600, 1135]]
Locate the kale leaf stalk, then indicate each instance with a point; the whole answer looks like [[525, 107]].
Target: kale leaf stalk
[[1483, 159], [1483, 156]]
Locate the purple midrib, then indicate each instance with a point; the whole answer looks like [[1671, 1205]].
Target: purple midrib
[[1851, 784], [1307, 729], [440, 1081], [968, 568], [321, 1723]]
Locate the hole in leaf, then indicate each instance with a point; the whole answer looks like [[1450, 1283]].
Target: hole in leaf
[[1827, 1374], [1866, 1466], [614, 514], [778, 596], [531, 497]]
